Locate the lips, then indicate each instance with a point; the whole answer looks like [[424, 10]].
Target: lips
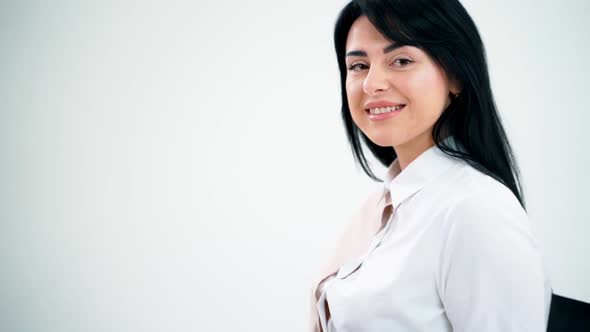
[[388, 109], [383, 114], [381, 104]]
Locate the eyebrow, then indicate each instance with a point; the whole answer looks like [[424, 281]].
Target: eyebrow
[[388, 49]]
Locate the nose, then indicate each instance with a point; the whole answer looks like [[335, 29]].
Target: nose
[[376, 81]]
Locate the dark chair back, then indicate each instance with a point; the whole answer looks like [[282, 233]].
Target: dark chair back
[[568, 315]]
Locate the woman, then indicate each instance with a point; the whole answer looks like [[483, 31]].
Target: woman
[[446, 244]]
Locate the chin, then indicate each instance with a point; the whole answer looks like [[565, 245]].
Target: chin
[[382, 141], [386, 139]]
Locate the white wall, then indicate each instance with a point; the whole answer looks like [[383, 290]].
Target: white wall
[[181, 166]]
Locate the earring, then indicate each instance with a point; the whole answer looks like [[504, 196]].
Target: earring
[[457, 94]]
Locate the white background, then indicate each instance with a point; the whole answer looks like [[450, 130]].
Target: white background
[[182, 166]]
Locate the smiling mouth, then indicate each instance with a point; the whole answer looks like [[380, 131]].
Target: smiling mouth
[[382, 110]]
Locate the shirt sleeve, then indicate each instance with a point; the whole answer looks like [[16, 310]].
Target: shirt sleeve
[[491, 272]]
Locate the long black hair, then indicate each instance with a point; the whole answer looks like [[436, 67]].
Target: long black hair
[[446, 32]]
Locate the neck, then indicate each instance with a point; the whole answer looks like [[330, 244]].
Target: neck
[[409, 151]]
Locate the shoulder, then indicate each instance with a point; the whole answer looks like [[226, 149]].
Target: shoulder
[[486, 219], [465, 194], [360, 223], [359, 226], [490, 265], [478, 196], [466, 189], [371, 201], [352, 240], [480, 213]]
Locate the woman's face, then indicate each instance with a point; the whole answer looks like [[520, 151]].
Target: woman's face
[[403, 77]]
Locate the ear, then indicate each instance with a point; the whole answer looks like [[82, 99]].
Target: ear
[[455, 87]]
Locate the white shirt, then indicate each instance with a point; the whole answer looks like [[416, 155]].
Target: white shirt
[[457, 254]]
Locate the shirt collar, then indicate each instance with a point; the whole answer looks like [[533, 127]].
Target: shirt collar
[[426, 167]]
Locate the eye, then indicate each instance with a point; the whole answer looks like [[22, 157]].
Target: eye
[[354, 66], [402, 62]]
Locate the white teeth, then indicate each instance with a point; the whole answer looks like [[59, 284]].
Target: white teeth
[[385, 109]]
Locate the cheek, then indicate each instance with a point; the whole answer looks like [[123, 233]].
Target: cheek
[[428, 92], [352, 86], [354, 93]]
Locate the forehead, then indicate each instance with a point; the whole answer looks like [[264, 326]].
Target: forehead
[[363, 34]]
